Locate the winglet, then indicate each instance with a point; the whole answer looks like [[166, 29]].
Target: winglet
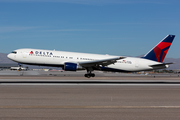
[[159, 52]]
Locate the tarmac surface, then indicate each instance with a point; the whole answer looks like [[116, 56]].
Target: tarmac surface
[[101, 98]]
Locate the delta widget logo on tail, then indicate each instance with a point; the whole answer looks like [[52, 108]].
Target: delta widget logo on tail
[[159, 52]]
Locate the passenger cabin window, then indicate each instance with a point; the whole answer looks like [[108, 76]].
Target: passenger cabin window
[[14, 52]]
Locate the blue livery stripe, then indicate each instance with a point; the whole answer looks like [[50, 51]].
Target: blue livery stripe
[[162, 52]]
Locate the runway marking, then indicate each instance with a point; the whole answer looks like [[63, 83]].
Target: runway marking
[[58, 84], [91, 82], [89, 107]]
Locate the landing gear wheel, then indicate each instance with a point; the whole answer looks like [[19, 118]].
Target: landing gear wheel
[[92, 75], [89, 75]]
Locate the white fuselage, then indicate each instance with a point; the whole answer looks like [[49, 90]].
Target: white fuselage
[[58, 58]]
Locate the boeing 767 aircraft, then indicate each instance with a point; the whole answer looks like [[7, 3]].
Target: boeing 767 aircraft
[[73, 61]]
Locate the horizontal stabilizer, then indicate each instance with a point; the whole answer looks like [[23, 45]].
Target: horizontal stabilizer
[[160, 66]]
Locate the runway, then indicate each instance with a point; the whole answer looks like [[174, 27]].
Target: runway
[[86, 99]]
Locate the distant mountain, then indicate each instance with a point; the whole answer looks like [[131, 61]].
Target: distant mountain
[[176, 62], [4, 59]]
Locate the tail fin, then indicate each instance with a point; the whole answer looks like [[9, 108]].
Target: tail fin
[[159, 52]]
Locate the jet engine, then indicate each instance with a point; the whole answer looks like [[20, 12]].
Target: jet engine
[[72, 66]]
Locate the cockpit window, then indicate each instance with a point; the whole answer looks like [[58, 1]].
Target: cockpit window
[[14, 52]]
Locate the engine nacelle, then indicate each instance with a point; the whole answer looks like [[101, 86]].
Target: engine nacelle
[[70, 66]]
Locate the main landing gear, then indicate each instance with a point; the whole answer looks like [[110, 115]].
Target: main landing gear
[[89, 74]]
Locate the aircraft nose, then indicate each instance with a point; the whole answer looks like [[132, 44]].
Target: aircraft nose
[[9, 56]]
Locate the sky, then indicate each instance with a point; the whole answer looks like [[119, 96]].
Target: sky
[[114, 27]]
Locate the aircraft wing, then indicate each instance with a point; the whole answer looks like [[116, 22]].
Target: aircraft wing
[[103, 62]]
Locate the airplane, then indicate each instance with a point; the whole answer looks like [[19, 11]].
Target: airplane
[[73, 61]]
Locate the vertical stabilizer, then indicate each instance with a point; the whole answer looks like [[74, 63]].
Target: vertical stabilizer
[[159, 52]]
